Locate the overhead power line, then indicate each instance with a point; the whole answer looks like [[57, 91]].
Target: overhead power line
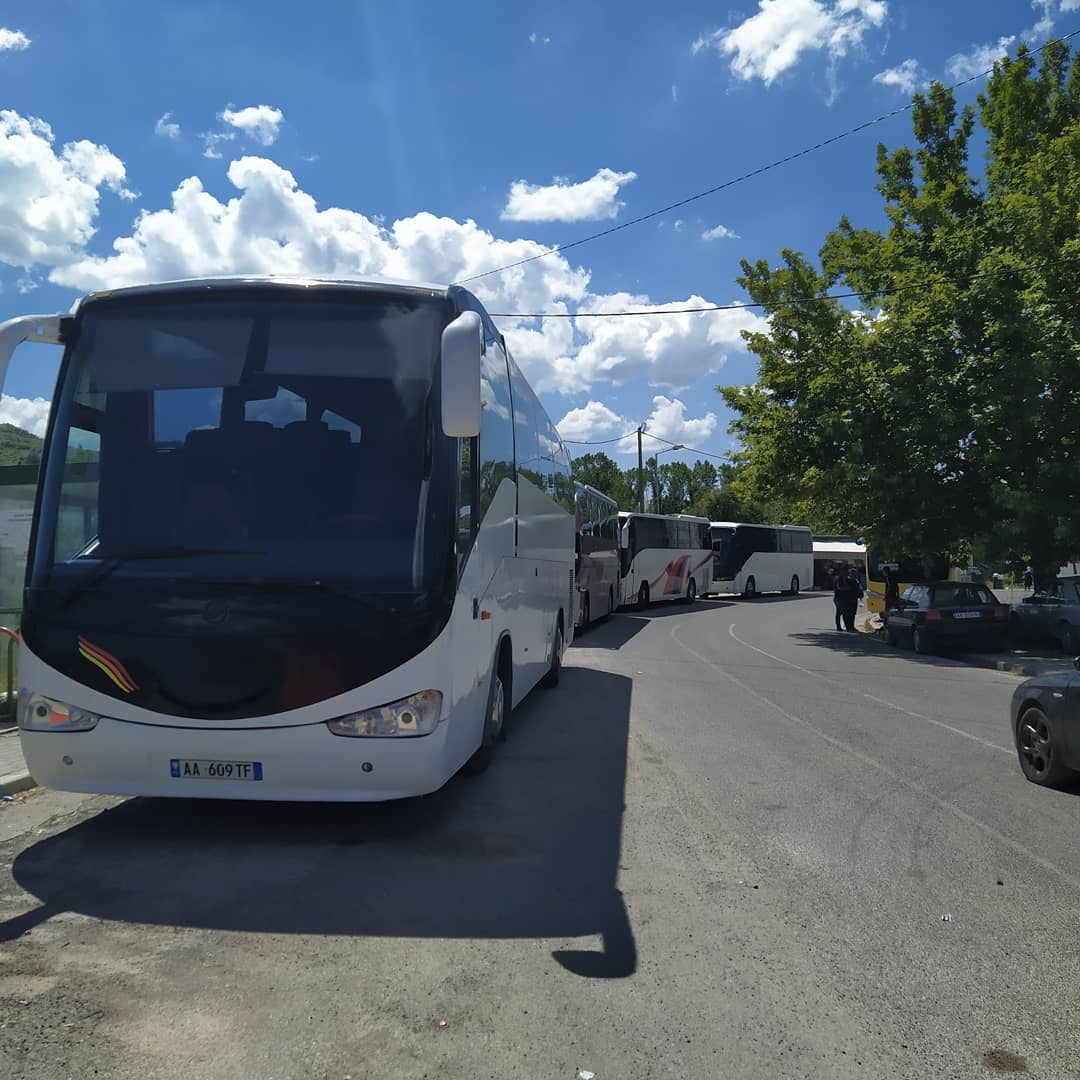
[[891, 291], [601, 442], [786, 160]]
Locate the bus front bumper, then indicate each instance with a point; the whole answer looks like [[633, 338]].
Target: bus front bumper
[[305, 763]]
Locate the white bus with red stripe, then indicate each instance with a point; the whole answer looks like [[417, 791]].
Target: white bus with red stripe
[[664, 557]]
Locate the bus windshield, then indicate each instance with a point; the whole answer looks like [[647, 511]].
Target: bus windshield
[[245, 438]]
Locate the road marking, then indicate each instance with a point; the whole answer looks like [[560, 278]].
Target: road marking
[[880, 766], [871, 697]]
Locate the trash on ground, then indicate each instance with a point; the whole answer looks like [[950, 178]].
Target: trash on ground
[[9, 798], [584, 1074], [444, 1023], [946, 918]]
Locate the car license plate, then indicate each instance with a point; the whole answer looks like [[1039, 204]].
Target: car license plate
[[209, 769], [968, 615]]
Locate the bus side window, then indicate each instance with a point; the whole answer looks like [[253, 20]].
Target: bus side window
[[496, 425]]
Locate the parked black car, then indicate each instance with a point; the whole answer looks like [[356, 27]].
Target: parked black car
[[1045, 726], [1051, 614], [957, 613]]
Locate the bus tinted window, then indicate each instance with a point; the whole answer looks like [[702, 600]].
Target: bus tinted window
[[496, 425]]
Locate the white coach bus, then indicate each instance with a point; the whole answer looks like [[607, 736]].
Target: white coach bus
[[294, 539], [752, 559], [597, 554], [664, 557]]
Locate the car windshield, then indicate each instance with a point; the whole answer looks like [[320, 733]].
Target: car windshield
[[958, 593], [244, 438]]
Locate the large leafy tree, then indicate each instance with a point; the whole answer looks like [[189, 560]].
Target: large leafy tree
[[945, 411]]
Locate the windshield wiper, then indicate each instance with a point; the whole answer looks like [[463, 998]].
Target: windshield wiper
[[95, 577]]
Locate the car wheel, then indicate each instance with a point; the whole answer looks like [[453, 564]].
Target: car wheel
[[1067, 639], [585, 613], [494, 726], [890, 635], [643, 595], [1039, 749], [691, 591], [794, 590], [551, 679], [751, 588], [920, 641]]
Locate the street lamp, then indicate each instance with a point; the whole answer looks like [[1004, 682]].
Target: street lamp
[[656, 470]]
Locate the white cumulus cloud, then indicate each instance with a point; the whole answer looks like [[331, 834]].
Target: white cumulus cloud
[[167, 127], [259, 122], [595, 421], [590, 200], [673, 350], [13, 40], [978, 59], [719, 232], [539, 39], [30, 414], [773, 40], [49, 199], [906, 77]]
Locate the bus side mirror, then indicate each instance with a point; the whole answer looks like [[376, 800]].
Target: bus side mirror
[[461, 352]]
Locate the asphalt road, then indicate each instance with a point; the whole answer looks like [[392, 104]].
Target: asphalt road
[[724, 847]]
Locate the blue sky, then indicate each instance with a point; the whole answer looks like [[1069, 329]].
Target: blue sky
[[431, 141]]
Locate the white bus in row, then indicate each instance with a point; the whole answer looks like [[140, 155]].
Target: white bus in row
[[753, 559], [664, 557], [597, 550], [294, 539]]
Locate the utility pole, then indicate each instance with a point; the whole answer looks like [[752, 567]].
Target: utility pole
[[640, 473]]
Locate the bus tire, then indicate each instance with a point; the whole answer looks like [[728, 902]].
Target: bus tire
[[585, 613], [643, 595], [751, 588], [794, 584], [691, 591], [551, 679], [494, 730], [610, 602]]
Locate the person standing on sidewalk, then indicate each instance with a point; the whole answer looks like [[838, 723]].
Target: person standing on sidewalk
[[838, 588], [852, 594], [1029, 579]]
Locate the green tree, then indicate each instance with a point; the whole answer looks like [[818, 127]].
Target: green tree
[[944, 414], [599, 471]]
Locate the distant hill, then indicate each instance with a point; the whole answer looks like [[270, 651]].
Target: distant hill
[[18, 447]]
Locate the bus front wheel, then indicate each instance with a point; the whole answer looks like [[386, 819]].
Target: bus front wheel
[[751, 588], [794, 584], [691, 591], [494, 724], [643, 595]]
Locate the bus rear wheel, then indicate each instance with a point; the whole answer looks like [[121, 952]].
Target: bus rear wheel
[[751, 588], [585, 613], [551, 679], [610, 602], [691, 591], [794, 585], [643, 595]]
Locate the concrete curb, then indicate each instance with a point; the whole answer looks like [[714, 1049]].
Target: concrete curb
[[13, 783]]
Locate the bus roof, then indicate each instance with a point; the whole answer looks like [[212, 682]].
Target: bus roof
[[239, 281], [589, 489], [662, 517], [757, 525]]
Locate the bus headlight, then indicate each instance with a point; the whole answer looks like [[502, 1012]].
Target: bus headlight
[[415, 715], [39, 713]]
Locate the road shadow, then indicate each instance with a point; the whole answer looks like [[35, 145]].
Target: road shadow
[[628, 622], [765, 598], [529, 849], [858, 643]]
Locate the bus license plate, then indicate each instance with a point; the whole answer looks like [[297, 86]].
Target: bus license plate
[[968, 615], [206, 769]]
